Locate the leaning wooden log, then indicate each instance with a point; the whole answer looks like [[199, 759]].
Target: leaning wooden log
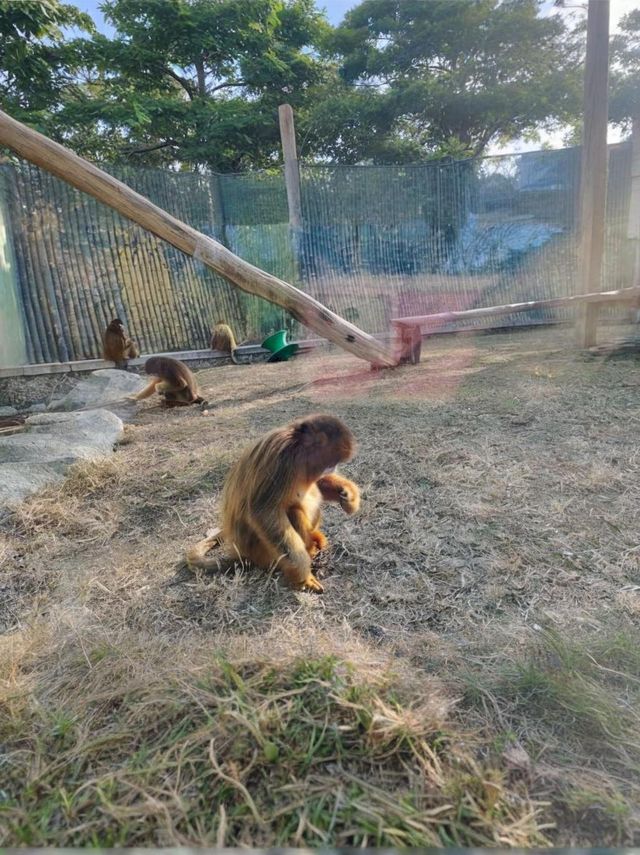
[[57, 160]]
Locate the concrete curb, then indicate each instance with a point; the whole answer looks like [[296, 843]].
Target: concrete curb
[[84, 365]]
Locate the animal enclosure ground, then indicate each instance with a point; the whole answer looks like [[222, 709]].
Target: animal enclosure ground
[[471, 674]]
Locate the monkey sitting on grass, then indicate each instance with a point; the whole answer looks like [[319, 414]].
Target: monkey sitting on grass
[[272, 496]]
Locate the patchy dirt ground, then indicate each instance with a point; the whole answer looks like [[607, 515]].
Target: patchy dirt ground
[[495, 564]]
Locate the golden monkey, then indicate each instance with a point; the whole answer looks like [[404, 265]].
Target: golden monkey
[[272, 496], [117, 346], [222, 338], [171, 379]]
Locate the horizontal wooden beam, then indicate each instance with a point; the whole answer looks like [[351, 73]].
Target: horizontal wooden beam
[[624, 295], [64, 164]]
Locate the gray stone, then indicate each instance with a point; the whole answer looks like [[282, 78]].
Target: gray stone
[[20, 480], [104, 388], [50, 443], [8, 411], [38, 408]]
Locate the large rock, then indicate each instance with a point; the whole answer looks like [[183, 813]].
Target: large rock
[[49, 444], [105, 388]]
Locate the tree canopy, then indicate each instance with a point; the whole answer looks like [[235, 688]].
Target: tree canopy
[[451, 77], [36, 61], [196, 84], [625, 70]]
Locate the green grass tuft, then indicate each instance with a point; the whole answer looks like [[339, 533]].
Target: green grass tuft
[[304, 754]]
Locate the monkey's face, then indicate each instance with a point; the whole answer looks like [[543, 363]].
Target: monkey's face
[[323, 442], [116, 325]]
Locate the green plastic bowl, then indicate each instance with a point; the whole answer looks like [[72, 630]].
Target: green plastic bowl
[[284, 353], [276, 341]]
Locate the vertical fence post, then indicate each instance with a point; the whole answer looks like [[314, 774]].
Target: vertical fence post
[[593, 176], [292, 181]]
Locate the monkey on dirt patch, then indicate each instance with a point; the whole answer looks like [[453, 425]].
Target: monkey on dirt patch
[[171, 379], [272, 496], [222, 338], [117, 346]]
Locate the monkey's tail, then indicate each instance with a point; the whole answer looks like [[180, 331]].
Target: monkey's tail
[[234, 358]]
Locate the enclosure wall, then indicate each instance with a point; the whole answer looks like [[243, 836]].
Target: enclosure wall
[[376, 242]]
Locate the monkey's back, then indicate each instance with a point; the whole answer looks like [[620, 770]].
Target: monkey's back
[[176, 374], [238, 533], [113, 345], [222, 339], [253, 499]]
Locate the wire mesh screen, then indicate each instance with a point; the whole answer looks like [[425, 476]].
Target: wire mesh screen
[[380, 242], [79, 264], [377, 242]]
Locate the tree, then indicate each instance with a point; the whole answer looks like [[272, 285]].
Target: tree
[[36, 64], [196, 82], [624, 77], [450, 77]]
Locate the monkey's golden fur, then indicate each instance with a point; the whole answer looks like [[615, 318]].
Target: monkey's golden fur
[[172, 379], [272, 496], [222, 338], [117, 346]]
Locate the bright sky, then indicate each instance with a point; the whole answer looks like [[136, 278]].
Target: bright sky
[[335, 10]]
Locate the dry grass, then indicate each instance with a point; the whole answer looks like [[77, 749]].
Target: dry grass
[[471, 674]]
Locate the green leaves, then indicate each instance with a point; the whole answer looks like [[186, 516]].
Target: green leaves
[[34, 63], [198, 83], [472, 71], [625, 70], [187, 80]]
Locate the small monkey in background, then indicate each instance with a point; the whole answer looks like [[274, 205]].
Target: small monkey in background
[[272, 496], [222, 338], [117, 346], [171, 379]]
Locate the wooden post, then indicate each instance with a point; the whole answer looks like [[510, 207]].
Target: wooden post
[[291, 169], [83, 175], [292, 183], [593, 180]]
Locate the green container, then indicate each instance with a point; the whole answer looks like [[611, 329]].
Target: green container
[[277, 345], [275, 341]]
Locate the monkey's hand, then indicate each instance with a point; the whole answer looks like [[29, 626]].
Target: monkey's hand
[[350, 499], [312, 584], [296, 561], [317, 542], [334, 488]]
